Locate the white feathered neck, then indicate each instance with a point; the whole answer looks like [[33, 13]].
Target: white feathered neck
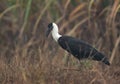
[[55, 33]]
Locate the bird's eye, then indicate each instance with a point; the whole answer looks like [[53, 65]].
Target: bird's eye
[[50, 25]]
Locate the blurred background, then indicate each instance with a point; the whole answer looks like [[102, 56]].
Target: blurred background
[[28, 57]]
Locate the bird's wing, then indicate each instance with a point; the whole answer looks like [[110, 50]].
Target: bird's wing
[[81, 49], [76, 47]]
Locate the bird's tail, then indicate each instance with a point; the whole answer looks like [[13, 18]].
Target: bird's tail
[[101, 57], [105, 60]]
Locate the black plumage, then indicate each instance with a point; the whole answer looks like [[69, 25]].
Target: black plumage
[[81, 49], [76, 47]]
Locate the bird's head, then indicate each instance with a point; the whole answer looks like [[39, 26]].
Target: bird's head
[[51, 27]]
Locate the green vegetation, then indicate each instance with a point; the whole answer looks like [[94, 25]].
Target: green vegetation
[[28, 57]]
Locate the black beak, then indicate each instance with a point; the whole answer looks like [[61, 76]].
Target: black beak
[[48, 32]]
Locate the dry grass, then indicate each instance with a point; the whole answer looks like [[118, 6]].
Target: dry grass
[[28, 57]]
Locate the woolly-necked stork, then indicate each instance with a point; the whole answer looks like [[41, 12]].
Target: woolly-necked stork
[[76, 47]]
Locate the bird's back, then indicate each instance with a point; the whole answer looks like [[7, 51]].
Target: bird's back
[[80, 49]]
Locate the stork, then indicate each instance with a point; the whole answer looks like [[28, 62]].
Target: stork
[[78, 48]]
